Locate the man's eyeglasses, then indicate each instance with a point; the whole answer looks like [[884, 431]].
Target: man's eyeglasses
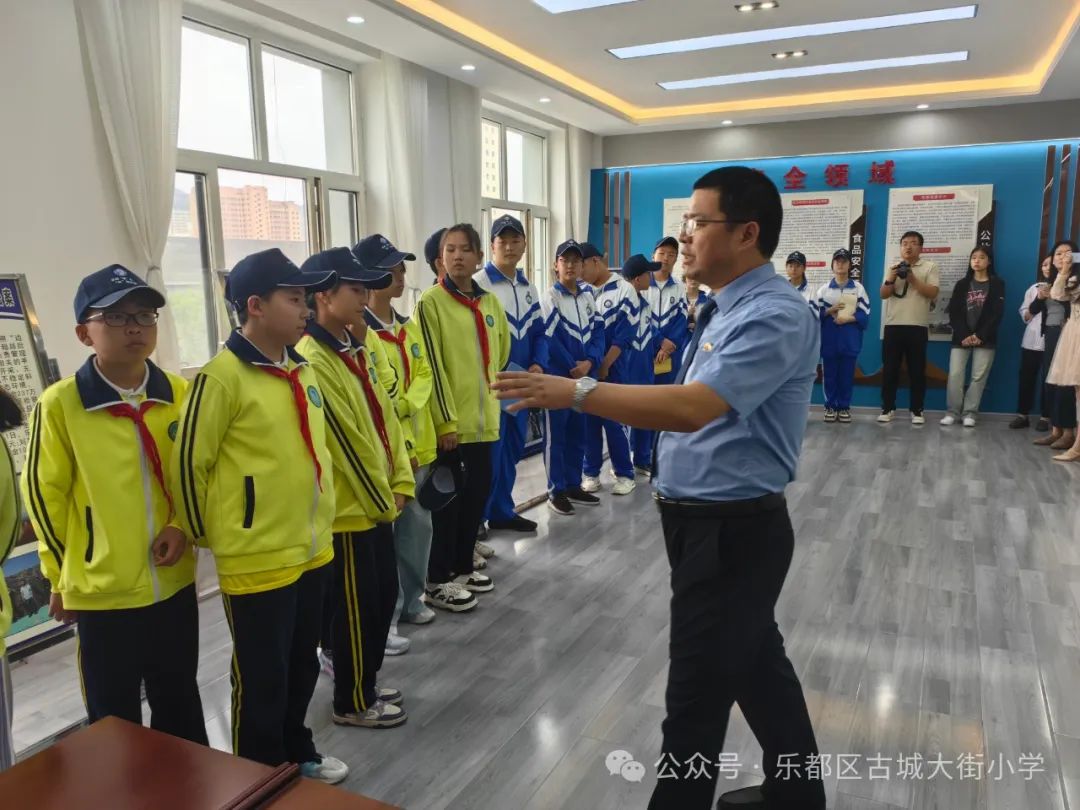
[[688, 226], [121, 319]]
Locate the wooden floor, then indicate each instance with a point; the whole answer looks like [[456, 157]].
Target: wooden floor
[[933, 608]]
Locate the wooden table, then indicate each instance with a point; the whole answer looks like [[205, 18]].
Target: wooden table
[[120, 766]]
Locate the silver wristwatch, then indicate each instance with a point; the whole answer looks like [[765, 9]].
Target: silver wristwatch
[[583, 387]]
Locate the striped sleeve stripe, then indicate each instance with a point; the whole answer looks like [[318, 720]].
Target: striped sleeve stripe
[[37, 499], [9, 544], [433, 361], [354, 460], [187, 455]]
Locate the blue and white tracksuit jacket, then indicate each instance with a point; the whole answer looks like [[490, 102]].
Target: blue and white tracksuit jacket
[[840, 343], [668, 305]]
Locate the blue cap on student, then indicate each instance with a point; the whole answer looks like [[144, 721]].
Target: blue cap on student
[[842, 253], [667, 241], [431, 246], [798, 257], [379, 253], [591, 251], [506, 223], [568, 246], [107, 286], [341, 260], [636, 265], [268, 270]]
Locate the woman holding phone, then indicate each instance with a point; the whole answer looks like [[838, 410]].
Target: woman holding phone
[[1062, 400], [1065, 367]]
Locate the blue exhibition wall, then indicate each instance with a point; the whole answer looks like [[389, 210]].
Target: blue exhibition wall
[[1017, 172]]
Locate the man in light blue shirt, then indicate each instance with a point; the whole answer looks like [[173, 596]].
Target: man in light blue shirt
[[731, 428]]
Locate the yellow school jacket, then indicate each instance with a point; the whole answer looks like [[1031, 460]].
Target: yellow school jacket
[[404, 344], [244, 476], [10, 523], [462, 402], [365, 480], [92, 495]]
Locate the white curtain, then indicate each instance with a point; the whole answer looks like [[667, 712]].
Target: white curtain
[[133, 51], [464, 100]]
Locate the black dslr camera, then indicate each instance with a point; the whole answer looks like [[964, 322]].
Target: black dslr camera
[[903, 270]]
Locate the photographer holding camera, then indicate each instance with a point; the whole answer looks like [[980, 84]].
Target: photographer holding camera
[[910, 286]]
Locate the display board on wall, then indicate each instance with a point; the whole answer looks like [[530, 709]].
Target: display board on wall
[[818, 224], [952, 220]]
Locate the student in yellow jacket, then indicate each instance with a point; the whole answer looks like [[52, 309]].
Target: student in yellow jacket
[[412, 531], [255, 485], [373, 481], [10, 525], [467, 341], [105, 518]]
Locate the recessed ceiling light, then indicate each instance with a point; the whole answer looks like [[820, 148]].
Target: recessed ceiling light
[[798, 54], [795, 32], [922, 107], [817, 70], [727, 122], [355, 19], [762, 6], [561, 6], [789, 55], [745, 7], [545, 100], [468, 67]]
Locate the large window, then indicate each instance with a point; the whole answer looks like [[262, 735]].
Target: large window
[[267, 159], [513, 180]]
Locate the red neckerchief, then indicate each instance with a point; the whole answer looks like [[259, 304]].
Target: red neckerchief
[[372, 401], [146, 438], [300, 397], [478, 318], [398, 340]]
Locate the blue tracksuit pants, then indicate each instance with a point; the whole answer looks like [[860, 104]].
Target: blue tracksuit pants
[[838, 377], [564, 449], [506, 453]]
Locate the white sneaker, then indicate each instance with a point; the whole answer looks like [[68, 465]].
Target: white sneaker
[[918, 419], [948, 420], [449, 596], [423, 616], [590, 483], [886, 416], [623, 486], [478, 561], [477, 583], [969, 421], [325, 769], [397, 645], [380, 715], [484, 550]]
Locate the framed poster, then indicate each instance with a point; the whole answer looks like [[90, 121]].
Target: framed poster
[[25, 370], [31, 625], [818, 223], [534, 433], [952, 220]]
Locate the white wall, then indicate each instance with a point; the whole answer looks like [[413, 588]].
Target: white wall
[[60, 214], [914, 130]]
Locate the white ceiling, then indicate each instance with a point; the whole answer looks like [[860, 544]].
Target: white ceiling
[[1006, 37]]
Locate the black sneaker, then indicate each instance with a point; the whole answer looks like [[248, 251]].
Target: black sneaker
[[481, 533], [560, 504], [578, 495], [1020, 423], [844, 416], [747, 798], [515, 524]]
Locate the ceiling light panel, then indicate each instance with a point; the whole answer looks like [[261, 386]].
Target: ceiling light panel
[[562, 6], [795, 32], [817, 70]]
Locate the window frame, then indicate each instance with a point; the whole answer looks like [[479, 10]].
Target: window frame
[[317, 182], [532, 211]]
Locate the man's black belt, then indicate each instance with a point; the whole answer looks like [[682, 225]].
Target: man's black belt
[[722, 509]]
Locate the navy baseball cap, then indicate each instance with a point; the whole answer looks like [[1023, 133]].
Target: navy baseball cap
[[378, 253], [444, 480], [268, 270], [842, 253], [591, 251], [107, 286], [506, 223], [567, 246], [667, 241], [431, 246], [636, 265], [797, 257], [341, 260]]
